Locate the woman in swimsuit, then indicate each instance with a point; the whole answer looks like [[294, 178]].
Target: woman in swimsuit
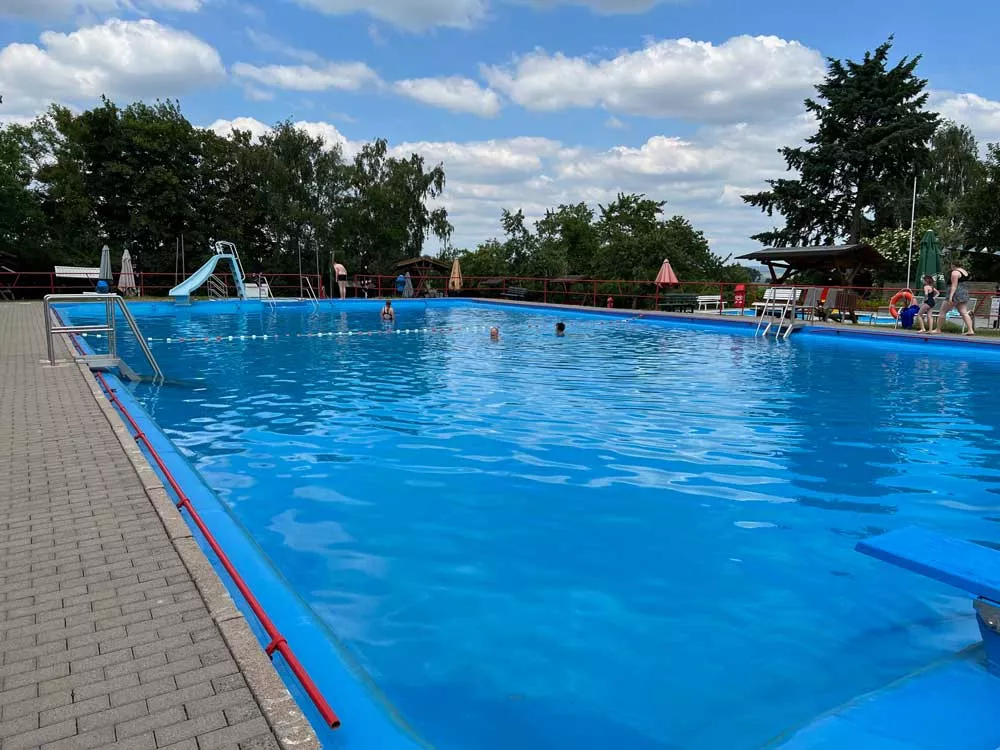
[[388, 314], [930, 292], [958, 297]]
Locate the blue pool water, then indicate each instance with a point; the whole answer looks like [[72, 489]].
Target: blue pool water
[[640, 535]]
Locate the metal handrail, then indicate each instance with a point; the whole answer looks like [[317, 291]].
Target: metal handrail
[[217, 287], [110, 327], [312, 294]]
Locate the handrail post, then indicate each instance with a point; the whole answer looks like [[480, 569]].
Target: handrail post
[[48, 332]]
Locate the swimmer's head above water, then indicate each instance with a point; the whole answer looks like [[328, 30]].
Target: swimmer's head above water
[[560, 329], [495, 333]]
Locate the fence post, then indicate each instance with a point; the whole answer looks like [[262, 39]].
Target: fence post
[[52, 282], [545, 290]]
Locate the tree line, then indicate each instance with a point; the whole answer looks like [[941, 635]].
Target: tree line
[[854, 177], [144, 178], [627, 239]]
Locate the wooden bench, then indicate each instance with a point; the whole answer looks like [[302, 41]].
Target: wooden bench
[[711, 302], [973, 568], [515, 292], [679, 302]]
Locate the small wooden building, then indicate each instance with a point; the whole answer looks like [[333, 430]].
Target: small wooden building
[[424, 269], [841, 264]]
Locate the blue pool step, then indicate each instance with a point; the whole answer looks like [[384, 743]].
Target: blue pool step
[[951, 705], [948, 706]]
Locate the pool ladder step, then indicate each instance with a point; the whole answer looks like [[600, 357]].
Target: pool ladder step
[[779, 328]]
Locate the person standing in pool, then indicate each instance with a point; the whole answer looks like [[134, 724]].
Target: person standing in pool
[[930, 292], [560, 329], [958, 297], [388, 314]]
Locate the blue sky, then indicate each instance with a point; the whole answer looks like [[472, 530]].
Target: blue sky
[[528, 103]]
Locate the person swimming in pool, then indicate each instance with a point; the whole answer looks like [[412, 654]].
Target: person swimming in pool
[[494, 334], [560, 329], [388, 314]]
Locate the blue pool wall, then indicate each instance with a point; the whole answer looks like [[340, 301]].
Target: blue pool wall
[[369, 719]]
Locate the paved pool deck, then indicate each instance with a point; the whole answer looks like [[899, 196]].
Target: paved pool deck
[[115, 631]]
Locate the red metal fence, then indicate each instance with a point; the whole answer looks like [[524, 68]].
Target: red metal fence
[[636, 295], [36, 284]]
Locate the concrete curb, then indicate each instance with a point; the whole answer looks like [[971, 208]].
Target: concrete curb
[[290, 726]]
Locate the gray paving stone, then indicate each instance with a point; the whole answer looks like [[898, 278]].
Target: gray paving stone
[[104, 636]]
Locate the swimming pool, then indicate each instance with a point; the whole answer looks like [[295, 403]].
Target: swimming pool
[[639, 535]]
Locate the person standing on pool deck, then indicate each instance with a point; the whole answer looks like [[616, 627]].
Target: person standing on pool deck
[[930, 292], [341, 273], [958, 297], [388, 314], [560, 329]]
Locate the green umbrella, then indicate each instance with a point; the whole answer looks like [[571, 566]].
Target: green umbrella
[[930, 261]]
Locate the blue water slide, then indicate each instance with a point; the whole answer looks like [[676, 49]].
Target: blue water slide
[[183, 290]]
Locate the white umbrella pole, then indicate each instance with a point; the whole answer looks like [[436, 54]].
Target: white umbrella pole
[[913, 216]]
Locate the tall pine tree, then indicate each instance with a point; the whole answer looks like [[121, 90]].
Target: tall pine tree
[[873, 133]]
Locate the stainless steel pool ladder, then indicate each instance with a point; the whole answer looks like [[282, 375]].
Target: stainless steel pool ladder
[[110, 327], [311, 294], [787, 311]]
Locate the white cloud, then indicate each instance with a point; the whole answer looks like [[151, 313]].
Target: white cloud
[[128, 59], [59, 10], [225, 128], [979, 113], [602, 6], [453, 93], [744, 78], [615, 124], [412, 15], [267, 43], [375, 35], [419, 15], [345, 76]]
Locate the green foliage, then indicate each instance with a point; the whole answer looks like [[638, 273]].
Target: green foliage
[[873, 133], [628, 241], [142, 177]]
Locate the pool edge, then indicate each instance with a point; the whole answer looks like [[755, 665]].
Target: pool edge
[[283, 715], [225, 605]]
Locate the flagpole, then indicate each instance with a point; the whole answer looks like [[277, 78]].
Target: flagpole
[[913, 216]]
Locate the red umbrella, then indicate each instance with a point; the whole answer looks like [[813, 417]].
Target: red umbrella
[[666, 275]]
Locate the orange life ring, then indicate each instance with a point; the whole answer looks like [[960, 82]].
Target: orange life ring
[[896, 298]]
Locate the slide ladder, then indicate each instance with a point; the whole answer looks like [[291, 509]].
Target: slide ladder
[[225, 252]]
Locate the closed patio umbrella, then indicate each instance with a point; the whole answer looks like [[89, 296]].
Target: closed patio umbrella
[[105, 272], [126, 279], [930, 261], [666, 275], [408, 286], [455, 280]]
